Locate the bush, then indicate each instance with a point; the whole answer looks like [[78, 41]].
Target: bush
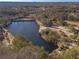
[[2, 21], [26, 50], [70, 54], [20, 42], [50, 36]]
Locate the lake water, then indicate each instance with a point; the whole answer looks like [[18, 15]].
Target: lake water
[[29, 30]]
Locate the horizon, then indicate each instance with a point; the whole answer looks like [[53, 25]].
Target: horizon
[[35, 2], [39, 1]]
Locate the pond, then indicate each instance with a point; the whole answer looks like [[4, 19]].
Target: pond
[[30, 30]]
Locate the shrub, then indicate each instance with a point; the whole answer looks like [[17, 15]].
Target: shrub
[[20, 42]]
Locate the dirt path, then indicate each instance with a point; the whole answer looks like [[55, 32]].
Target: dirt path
[[73, 23]]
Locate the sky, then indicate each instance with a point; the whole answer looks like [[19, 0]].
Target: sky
[[39, 0]]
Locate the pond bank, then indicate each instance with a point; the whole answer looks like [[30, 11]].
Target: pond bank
[[41, 28], [30, 31], [8, 38]]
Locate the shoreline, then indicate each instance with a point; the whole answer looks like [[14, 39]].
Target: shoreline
[[41, 27]]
